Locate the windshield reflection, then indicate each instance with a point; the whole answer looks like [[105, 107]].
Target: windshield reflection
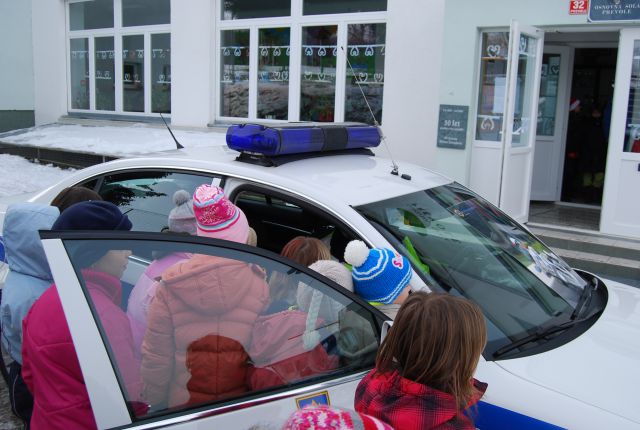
[[469, 247]]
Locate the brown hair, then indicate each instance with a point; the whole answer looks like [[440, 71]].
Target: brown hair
[[436, 340], [303, 250], [306, 250], [72, 195]]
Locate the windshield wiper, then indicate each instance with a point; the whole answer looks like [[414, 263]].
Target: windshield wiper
[[538, 335], [585, 297]]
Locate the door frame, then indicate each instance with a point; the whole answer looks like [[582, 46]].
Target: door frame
[[612, 193]]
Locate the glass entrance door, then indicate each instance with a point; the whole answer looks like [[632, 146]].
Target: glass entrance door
[[620, 205]]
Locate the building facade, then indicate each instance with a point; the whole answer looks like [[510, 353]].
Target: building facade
[[549, 87]]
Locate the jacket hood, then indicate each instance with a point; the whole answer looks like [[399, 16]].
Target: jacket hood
[[22, 242], [211, 285]]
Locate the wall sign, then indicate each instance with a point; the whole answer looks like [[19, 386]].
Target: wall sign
[[578, 7], [452, 126], [614, 10]]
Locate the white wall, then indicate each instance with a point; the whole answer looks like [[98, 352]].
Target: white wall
[[49, 60], [192, 27], [16, 63], [412, 79], [463, 19]]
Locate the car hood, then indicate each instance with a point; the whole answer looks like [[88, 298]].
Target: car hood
[[600, 367]]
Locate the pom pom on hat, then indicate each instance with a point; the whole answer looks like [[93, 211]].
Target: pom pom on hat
[[182, 218], [380, 275], [356, 253], [217, 216]]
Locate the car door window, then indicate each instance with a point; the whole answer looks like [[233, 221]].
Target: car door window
[[147, 196], [278, 219], [201, 329]]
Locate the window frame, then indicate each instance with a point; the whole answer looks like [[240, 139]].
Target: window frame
[[101, 350], [295, 22], [116, 32]]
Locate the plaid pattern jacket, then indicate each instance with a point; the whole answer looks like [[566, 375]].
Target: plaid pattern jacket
[[408, 405]]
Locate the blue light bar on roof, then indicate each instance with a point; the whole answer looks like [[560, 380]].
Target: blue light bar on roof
[[301, 137]]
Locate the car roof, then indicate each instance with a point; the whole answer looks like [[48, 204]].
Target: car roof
[[354, 179]]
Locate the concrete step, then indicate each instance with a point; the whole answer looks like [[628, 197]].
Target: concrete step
[[592, 251]]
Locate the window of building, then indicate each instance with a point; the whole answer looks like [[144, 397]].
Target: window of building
[[119, 56], [301, 60]]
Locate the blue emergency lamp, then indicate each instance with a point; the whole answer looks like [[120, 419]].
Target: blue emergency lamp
[[300, 138]]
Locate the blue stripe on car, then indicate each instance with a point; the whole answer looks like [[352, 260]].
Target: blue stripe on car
[[492, 417]]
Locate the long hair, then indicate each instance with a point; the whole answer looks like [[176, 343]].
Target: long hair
[[436, 340]]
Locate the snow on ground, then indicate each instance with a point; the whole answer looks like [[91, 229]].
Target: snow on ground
[[19, 176], [116, 140]]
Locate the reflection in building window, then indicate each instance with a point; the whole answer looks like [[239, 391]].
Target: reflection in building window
[[234, 76], [79, 71], [133, 73], [319, 7], [548, 94], [493, 76], [241, 9], [105, 74], [365, 51], [161, 73], [318, 73], [632, 130], [273, 73]]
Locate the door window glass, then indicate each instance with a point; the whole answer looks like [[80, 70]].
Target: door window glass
[[365, 50], [273, 73], [145, 12], [522, 115], [493, 80], [317, 7], [161, 73], [234, 76], [147, 196], [214, 329], [79, 72], [632, 129], [241, 9], [105, 74], [548, 94], [318, 73], [133, 73], [91, 14]]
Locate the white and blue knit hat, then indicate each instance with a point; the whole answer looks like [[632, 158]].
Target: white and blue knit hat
[[379, 275]]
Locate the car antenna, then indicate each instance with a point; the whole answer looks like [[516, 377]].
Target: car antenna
[[394, 170], [178, 146]]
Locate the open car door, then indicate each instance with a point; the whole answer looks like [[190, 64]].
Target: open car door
[[217, 284]]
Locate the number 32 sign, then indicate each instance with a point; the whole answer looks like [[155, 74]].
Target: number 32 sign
[[578, 7]]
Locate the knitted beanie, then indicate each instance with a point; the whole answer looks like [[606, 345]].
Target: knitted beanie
[[91, 215], [379, 275], [181, 218], [217, 217], [330, 418]]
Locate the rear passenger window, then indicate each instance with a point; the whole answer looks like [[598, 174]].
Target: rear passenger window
[[147, 196], [206, 325]]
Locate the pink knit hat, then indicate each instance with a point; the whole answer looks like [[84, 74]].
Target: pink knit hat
[[330, 418], [217, 217]]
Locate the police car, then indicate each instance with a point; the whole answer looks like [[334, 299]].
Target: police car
[[563, 345]]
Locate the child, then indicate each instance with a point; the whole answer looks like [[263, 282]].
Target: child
[[380, 276], [424, 369]]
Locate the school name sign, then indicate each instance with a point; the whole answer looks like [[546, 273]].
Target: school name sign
[[614, 10]]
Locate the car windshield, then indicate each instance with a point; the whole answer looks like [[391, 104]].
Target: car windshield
[[467, 246]]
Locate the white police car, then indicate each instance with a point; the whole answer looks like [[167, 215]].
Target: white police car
[[564, 346]]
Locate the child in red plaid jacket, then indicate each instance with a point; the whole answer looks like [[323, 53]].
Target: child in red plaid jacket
[[424, 369]]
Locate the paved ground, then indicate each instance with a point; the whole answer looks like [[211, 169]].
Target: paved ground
[[7, 420]]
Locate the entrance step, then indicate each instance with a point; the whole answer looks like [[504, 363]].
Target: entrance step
[[594, 252]]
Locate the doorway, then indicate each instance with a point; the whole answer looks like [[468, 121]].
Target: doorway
[[571, 145], [588, 125]]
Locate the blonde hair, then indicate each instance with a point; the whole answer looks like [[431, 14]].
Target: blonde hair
[[436, 340]]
